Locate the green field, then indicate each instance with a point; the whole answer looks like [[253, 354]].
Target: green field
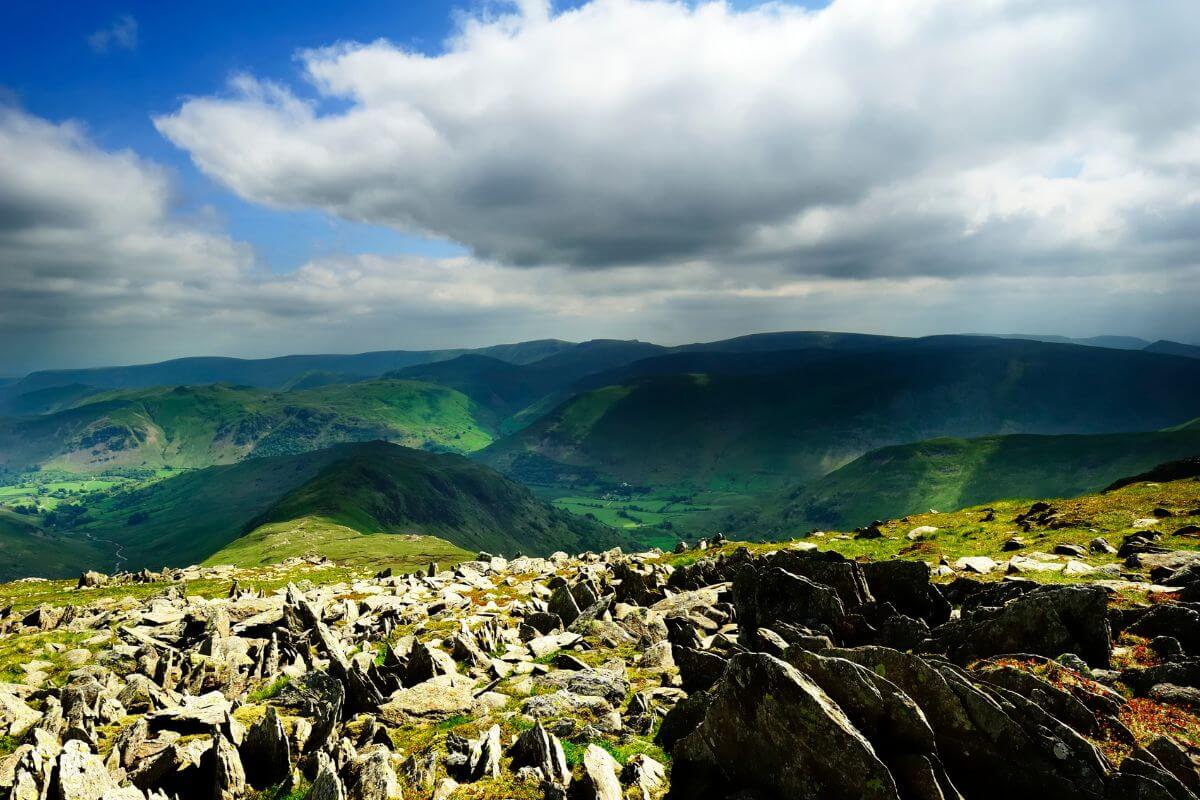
[[45, 491], [656, 517]]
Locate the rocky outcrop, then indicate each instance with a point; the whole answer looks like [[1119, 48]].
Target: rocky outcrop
[[791, 673]]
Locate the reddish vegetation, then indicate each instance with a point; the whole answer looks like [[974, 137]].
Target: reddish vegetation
[[1148, 720]]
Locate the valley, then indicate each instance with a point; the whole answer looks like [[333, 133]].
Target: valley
[[629, 443]]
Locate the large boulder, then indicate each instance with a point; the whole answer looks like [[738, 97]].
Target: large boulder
[[770, 729], [434, 699], [1048, 621], [767, 596], [906, 585], [994, 746]]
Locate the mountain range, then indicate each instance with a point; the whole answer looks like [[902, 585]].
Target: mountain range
[[765, 434]]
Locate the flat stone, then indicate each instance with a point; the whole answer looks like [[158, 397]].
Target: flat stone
[[437, 698]]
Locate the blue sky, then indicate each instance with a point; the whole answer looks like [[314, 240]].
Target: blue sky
[[496, 170], [185, 48]]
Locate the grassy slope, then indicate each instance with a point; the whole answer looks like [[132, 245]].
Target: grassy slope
[[192, 515], [25, 549], [947, 474], [968, 532], [278, 541], [205, 425], [773, 427]]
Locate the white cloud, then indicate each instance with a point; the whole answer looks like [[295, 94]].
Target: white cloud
[[870, 137], [122, 33]]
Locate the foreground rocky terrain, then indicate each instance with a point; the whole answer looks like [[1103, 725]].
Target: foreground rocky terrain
[[763, 671]]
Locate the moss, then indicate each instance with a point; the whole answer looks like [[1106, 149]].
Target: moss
[[264, 693]]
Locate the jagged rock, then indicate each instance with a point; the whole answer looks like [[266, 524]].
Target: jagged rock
[[643, 775], [563, 604], [698, 669], [541, 750], [80, 774], [657, 656], [612, 686], [371, 777], [1061, 703], [560, 704], [91, 579], [765, 597], [266, 751], [141, 695], [980, 735], [469, 761], [16, 716], [1173, 758], [1177, 621], [327, 785], [543, 646], [445, 789], [906, 586], [229, 778], [598, 780], [1128, 786], [195, 715], [1047, 621], [1143, 765], [770, 729], [425, 662]]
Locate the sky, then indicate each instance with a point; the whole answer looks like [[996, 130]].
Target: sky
[[253, 179]]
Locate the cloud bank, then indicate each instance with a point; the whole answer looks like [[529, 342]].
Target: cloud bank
[[634, 168], [905, 137]]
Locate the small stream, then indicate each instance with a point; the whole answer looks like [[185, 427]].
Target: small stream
[[118, 550]]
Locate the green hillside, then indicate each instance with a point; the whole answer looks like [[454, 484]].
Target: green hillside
[[381, 488], [796, 417], [198, 426], [184, 519], [26, 549], [509, 389], [363, 502], [948, 474], [279, 541]]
